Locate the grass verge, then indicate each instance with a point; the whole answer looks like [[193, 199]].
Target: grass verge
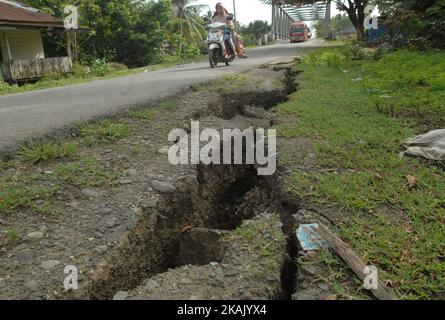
[[103, 132], [390, 221]]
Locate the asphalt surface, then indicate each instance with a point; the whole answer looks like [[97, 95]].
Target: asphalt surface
[[37, 113]]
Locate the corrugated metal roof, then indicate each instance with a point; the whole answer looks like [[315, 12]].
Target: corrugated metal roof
[[14, 13]]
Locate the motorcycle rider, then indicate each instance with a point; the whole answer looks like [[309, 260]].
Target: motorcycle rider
[[221, 14], [227, 37]]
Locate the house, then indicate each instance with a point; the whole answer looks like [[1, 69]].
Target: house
[[22, 55]]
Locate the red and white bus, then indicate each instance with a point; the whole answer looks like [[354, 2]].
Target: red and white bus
[[299, 32]]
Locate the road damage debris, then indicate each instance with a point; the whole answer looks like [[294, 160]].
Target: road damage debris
[[309, 238], [379, 289]]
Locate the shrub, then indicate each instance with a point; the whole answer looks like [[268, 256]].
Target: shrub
[[115, 66], [417, 28], [38, 151], [103, 132], [190, 51], [98, 67], [332, 58], [6, 88]]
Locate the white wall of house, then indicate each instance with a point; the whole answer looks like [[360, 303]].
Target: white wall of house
[[23, 44]]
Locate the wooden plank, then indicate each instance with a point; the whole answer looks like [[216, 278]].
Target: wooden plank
[[354, 262], [38, 68], [6, 71]]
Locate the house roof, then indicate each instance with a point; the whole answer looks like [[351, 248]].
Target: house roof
[[13, 13]]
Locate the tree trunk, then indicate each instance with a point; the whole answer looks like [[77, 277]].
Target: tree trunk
[[181, 32], [356, 12], [361, 20], [357, 18]]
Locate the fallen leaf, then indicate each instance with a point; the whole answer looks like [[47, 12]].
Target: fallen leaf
[[312, 254], [411, 180]]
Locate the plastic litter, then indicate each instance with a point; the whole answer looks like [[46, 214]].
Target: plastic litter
[[430, 145], [309, 238]]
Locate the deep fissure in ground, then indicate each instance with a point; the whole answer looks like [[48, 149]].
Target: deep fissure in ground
[[218, 197]]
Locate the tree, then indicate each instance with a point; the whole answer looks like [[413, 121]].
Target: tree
[[414, 23], [417, 5], [257, 28], [127, 31], [355, 10], [253, 31], [340, 24], [191, 25]]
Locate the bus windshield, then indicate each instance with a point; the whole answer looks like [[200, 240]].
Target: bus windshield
[[300, 30]]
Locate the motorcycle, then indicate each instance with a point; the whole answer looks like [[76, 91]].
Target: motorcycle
[[215, 42]]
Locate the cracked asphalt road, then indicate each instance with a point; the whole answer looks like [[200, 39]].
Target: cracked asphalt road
[[37, 113]]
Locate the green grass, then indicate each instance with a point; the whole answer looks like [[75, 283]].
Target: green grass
[[11, 236], [409, 84], [392, 225], [7, 164], [103, 132], [167, 105], [38, 151], [338, 276], [86, 172], [22, 186], [267, 248], [145, 114], [230, 83], [25, 189]]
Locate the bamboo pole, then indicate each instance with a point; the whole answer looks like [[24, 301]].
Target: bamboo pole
[[354, 262]]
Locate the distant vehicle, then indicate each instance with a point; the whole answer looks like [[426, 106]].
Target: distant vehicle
[[299, 32]]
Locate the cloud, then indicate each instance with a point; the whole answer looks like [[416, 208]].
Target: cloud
[[246, 10]]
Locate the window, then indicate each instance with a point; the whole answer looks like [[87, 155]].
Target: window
[[299, 30]]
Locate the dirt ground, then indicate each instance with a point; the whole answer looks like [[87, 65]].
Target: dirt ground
[[135, 237]]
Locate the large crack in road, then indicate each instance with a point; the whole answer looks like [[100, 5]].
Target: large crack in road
[[210, 232]]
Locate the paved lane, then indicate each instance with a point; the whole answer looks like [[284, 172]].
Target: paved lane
[[36, 113]]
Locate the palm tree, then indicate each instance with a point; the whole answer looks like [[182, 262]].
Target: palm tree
[[191, 24]]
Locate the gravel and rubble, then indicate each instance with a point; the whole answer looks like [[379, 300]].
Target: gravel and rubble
[[142, 236]]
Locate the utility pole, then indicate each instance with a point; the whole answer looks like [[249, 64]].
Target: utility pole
[[274, 21], [234, 13], [327, 21]]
